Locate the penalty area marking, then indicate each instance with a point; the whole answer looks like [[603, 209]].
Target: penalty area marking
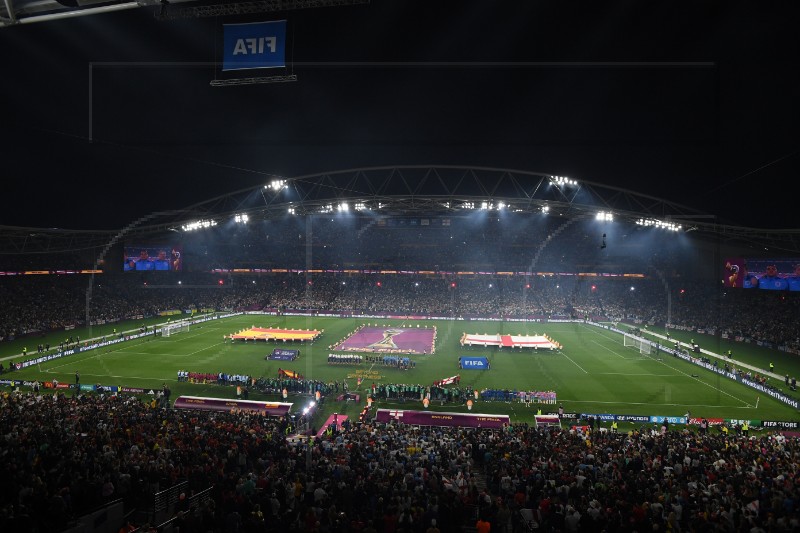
[[691, 376], [573, 362], [615, 352], [688, 375], [176, 354], [92, 356], [185, 337]]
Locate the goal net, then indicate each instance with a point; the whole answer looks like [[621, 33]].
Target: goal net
[[642, 345], [171, 329]]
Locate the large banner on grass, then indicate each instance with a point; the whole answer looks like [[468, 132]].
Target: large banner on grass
[[254, 45], [279, 354], [473, 363]]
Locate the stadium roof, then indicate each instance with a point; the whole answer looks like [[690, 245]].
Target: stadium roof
[[687, 112], [13, 12], [444, 190]]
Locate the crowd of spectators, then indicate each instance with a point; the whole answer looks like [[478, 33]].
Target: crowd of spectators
[[460, 243], [63, 456], [39, 304]]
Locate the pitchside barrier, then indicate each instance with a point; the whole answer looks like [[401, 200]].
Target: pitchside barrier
[[547, 420], [433, 418], [219, 404]]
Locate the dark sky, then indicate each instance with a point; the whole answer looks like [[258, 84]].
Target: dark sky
[[693, 102]]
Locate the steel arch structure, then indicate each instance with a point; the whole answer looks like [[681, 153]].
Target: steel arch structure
[[433, 190]]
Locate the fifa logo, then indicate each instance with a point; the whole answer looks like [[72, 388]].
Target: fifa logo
[[254, 45]]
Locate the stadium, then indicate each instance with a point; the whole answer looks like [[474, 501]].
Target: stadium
[[385, 348]]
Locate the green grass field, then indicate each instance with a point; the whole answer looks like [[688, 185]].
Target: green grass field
[[594, 373]]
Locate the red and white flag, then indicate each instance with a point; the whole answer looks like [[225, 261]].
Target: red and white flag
[[449, 381]]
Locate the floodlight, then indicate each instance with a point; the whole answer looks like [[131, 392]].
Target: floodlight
[[276, 185], [563, 180], [198, 224], [661, 224]]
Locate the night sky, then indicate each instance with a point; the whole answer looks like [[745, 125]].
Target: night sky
[[692, 102]]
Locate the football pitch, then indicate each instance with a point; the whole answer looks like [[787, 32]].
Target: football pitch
[[592, 373]]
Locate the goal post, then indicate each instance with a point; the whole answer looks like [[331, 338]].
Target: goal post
[[636, 342]]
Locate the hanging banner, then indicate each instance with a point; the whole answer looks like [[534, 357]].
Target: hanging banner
[[254, 45]]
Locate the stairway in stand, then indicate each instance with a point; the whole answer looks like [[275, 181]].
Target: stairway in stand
[[480, 480], [471, 511], [470, 518]]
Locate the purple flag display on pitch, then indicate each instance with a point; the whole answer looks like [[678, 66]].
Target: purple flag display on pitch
[[432, 418], [389, 339]]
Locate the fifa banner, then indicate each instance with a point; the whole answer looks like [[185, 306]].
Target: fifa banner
[[254, 45], [473, 363]]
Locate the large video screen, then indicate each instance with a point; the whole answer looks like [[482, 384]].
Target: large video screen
[[153, 257], [763, 274]]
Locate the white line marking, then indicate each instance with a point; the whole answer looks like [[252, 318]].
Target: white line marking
[[652, 403], [173, 354], [626, 374], [573, 362], [614, 351]]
